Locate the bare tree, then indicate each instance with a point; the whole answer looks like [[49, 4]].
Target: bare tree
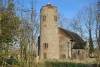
[[77, 24], [90, 20], [98, 24], [28, 32], [98, 33]]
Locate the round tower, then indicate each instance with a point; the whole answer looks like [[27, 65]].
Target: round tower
[[49, 41]]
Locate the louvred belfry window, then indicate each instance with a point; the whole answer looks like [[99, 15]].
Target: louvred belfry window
[[45, 45], [44, 18]]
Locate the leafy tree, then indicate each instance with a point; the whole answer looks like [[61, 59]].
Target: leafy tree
[[9, 26]]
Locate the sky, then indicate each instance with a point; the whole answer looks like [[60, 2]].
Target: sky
[[66, 8]]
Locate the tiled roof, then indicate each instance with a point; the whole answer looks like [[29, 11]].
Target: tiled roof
[[79, 42]]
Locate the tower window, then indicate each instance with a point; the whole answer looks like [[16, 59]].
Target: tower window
[[78, 52], [45, 55], [63, 56], [44, 18], [45, 45], [55, 18]]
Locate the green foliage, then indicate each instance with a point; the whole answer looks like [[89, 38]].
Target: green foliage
[[9, 25], [66, 64], [10, 6], [10, 31], [11, 61]]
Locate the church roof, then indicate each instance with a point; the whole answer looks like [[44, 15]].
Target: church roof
[[73, 35], [79, 42]]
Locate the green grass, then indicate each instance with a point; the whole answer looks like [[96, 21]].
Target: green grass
[[64, 64]]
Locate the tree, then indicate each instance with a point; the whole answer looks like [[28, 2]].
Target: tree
[[1, 4], [90, 20], [85, 22], [9, 25], [10, 6], [27, 37], [98, 33], [98, 24], [77, 24]]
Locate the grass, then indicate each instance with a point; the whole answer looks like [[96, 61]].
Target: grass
[[64, 64]]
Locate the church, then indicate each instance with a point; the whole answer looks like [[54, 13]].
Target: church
[[55, 42]]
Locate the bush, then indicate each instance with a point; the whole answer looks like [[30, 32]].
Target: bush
[[12, 61]]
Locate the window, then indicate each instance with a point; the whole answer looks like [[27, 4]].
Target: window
[[55, 18], [45, 55], [63, 56], [78, 52], [44, 18], [45, 45]]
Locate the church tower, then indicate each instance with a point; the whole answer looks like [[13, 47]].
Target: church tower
[[49, 41]]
